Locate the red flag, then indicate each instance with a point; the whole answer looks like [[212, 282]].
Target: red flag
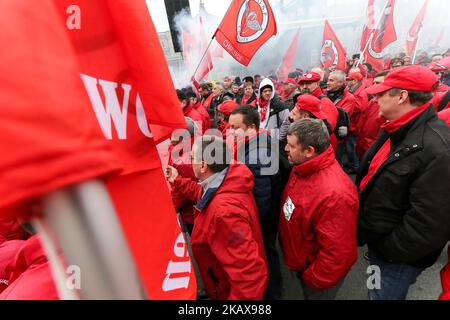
[[206, 64], [288, 59], [125, 89], [48, 141], [383, 36], [188, 43], [370, 24], [414, 30], [247, 25], [332, 50]]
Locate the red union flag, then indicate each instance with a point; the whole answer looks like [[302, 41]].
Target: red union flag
[[370, 24], [247, 25], [206, 64], [414, 30], [81, 103], [383, 36], [332, 53], [288, 59]]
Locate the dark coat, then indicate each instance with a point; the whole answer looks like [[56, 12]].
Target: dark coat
[[405, 209]]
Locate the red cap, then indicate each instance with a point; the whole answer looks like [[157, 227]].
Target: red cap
[[437, 67], [227, 106], [355, 76], [291, 81], [415, 78], [310, 77], [310, 103]]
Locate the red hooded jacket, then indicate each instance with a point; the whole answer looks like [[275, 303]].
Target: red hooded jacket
[[370, 125], [318, 222], [350, 105], [226, 240], [30, 275], [362, 103]]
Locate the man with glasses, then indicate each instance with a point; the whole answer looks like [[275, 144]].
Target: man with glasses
[[404, 183]]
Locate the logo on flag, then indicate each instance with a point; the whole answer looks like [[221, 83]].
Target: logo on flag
[[253, 19], [329, 54]]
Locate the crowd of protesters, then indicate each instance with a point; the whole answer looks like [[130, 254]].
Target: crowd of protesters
[[267, 159], [387, 129]]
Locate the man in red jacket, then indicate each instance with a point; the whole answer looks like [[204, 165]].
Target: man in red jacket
[[319, 212], [309, 83], [341, 97], [226, 240], [190, 112], [370, 121]]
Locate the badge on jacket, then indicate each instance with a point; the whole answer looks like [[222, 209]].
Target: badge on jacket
[[288, 208]]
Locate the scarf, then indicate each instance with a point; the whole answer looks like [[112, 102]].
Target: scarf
[[335, 95]]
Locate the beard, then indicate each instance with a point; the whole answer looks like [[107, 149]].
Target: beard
[[305, 91]]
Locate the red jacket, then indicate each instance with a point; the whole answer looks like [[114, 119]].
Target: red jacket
[[445, 280], [8, 250], [206, 102], [10, 229], [362, 102], [370, 124], [318, 221], [350, 105], [328, 107], [226, 240], [181, 160], [445, 115], [206, 121], [190, 112], [30, 277]]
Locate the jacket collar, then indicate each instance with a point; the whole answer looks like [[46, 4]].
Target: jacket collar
[[210, 187], [319, 163]]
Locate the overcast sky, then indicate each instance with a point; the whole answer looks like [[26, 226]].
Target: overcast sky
[[159, 15]]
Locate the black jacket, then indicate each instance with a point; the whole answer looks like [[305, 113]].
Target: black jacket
[[405, 209]]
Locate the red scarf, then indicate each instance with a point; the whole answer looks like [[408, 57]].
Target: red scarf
[[263, 104]]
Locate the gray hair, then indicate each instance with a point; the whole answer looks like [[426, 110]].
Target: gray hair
[[340, 75], [311, 133], [213, 151], [220, 86]]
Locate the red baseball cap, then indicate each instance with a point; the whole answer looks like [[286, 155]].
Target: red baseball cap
[[227, 106], [310, 77], [415, 78], [355, 76], [310, 103]]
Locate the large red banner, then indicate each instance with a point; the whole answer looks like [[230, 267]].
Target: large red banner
[[83, 100]]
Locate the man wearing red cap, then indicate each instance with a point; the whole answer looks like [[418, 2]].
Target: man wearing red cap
[[318, 214], [441, 99], [341, 97], [224, 110], [310, 83], [310, 107], [404, 183]]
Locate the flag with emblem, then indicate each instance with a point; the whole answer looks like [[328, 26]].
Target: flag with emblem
[[247, 25], [332, 53]]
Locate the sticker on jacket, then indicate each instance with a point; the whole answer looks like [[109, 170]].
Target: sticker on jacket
[[288, 208]]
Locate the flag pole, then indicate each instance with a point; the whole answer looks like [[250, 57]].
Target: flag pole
[[417, 46], [372, 34], [212, 38]]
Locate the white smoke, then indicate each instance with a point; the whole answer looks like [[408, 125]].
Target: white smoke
[[347, 18]]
